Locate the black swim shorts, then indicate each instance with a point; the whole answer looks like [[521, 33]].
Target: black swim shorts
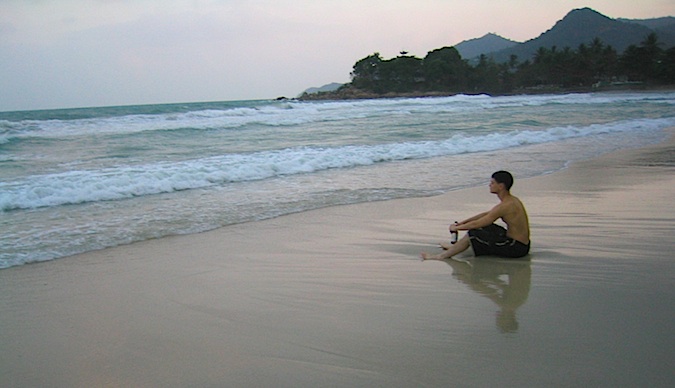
[[492, 240]]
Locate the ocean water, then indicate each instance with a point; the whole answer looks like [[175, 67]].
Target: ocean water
[[76, 180]]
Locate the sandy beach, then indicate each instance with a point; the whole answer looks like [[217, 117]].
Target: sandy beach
[[339, 297]]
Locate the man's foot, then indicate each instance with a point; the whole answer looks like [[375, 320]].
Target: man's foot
[[429, 256]]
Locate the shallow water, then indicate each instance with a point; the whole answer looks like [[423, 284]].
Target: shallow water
[[338, 297], [77, 180]]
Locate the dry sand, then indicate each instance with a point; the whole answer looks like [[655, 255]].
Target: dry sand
[[338, 296]]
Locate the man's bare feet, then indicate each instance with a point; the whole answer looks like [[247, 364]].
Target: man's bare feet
[[429, 256]]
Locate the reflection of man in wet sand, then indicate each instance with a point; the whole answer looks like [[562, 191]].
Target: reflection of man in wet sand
[[484, 236], [507, 283]]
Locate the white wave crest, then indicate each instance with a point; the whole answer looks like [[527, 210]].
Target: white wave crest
[[297, 113], [130, 181]]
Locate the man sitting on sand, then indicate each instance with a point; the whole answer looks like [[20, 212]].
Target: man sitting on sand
[[484, 236]]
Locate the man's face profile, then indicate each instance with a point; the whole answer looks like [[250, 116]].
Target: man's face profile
[[494, 186]]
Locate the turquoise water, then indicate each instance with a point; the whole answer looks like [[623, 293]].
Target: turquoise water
[[82, 179]]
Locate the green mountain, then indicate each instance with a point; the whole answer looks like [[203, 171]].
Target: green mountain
[[666, 23], [486, 44], [664, 28], [582, 26], [583, 50], [331, 87]]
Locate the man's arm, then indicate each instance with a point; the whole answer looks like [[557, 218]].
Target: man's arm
[[480, 220], [477, 216]]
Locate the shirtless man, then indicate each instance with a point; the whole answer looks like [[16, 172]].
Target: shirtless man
[[484, 236]]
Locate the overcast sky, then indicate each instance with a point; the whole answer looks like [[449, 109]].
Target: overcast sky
[[76, 53]]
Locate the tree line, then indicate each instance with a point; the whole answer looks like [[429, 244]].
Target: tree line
[[444, 70]]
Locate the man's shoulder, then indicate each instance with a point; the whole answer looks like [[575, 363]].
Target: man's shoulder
[[502, 207], [511, 196], [510, 202]]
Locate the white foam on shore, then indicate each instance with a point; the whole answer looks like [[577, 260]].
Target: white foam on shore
[[75, 187], [296, 113]]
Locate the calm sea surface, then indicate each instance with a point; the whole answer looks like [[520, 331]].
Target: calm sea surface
[[76, 180]]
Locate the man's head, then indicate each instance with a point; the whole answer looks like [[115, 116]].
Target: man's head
[[503, 177]]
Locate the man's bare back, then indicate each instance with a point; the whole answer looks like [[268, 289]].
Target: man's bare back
[[515, 217]]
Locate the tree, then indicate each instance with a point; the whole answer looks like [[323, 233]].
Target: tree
[[641, 63], [366, 72], [666, 69], [400, 74], [485, 77], [594, 63], [445, 70]]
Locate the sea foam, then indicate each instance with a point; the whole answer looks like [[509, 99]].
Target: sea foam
[[73, 187], [291, 113]]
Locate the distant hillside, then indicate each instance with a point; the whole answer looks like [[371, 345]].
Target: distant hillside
[[486, 44], [581, 26], [666, 22], [664, 28], [325, 88], [444, 72]]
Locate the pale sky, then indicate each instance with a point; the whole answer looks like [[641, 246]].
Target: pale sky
[[77, 53]]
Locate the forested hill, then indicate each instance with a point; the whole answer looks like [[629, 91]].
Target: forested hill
[[488, 43], [581, 26], [583, 50]]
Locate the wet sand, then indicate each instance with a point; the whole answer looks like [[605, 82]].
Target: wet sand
[[339, 296]]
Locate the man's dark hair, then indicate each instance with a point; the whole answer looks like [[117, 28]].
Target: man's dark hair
[[504, 177]]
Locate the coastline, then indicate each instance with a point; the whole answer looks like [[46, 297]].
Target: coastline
[[350, 93], [338, 296]]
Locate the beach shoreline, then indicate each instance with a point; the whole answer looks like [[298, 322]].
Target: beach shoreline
[[338, 296], [357, 94]]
